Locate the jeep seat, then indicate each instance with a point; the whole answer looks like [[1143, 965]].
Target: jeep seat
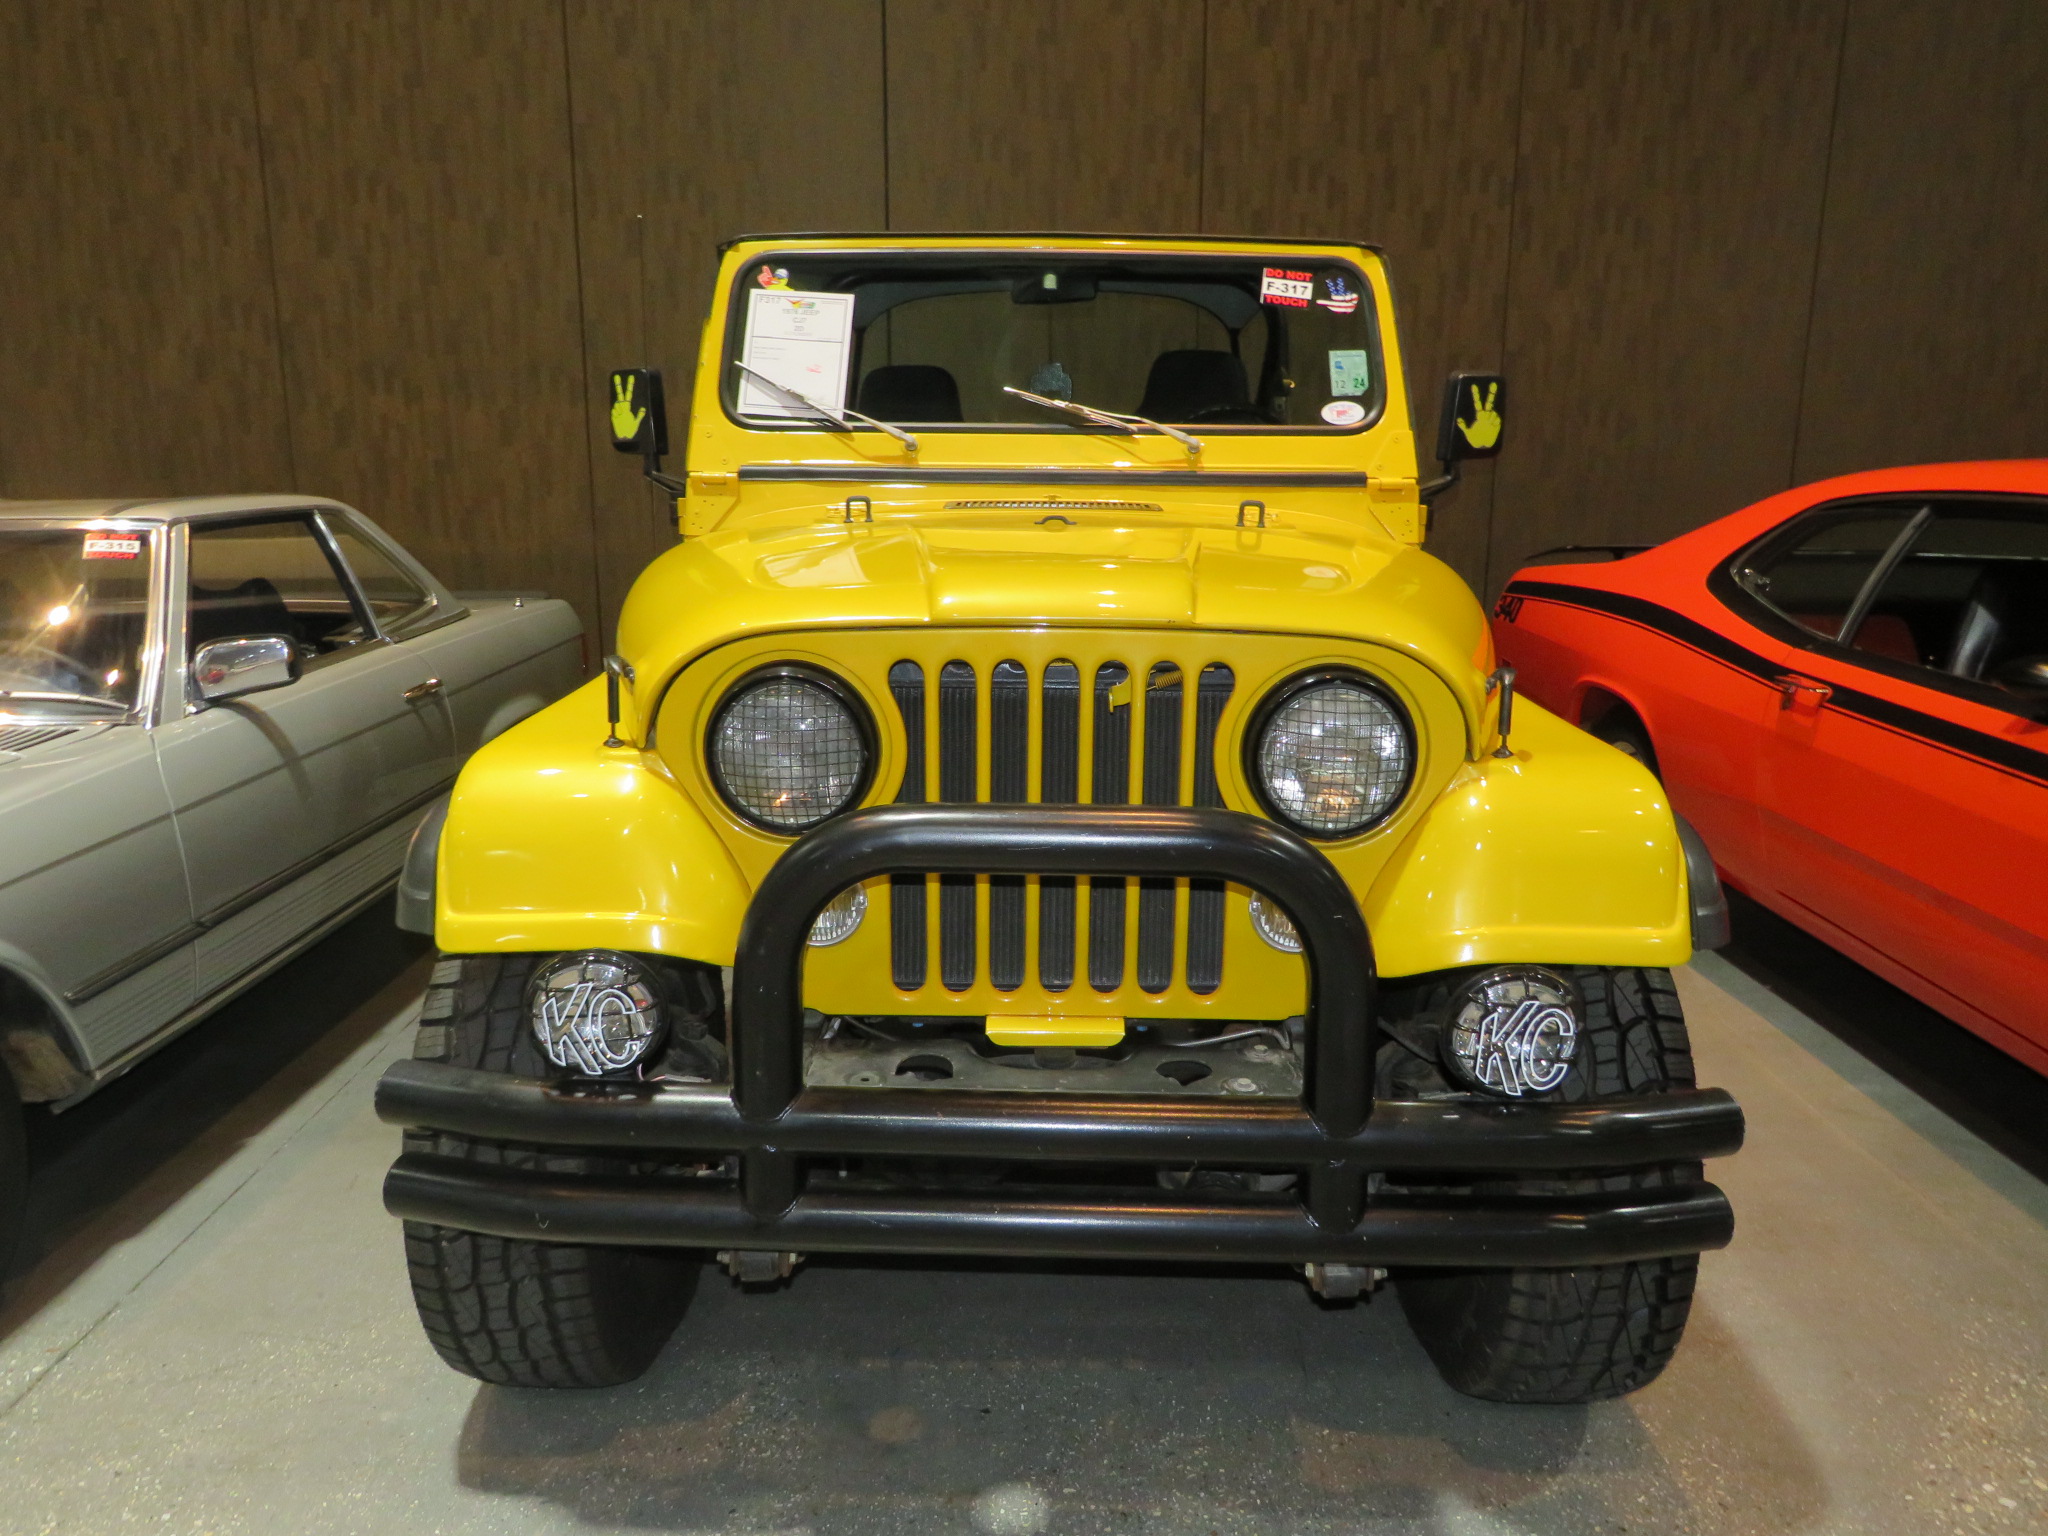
[[1193, 383], [910, 392]]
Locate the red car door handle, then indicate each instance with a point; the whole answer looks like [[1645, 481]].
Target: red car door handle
[[1796, 690]]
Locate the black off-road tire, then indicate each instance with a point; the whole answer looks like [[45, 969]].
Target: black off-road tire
[[507, 1310], [13, 1173], [1576, 1335]]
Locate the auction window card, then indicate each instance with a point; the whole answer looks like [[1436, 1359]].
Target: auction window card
[[801, 341]]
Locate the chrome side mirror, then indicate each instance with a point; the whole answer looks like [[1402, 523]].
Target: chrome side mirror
[[228, 669]]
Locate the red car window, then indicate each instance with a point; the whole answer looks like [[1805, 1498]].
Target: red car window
[[1969, 596]]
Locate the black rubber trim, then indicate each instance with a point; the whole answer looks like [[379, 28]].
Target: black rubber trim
[[1194, 479], [1997, 751]]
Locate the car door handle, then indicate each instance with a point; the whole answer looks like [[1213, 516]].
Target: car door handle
[[1795, 690], [424, 690]]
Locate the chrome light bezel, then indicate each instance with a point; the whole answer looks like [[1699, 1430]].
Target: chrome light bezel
[[1286, 693], [1506, 1047], [574, 1036], [855, 706]]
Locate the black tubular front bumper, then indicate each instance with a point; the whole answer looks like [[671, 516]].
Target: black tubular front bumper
[[1336, 1137]]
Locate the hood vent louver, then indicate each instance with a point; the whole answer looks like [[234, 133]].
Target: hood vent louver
[[19, 738], [1052, 506]]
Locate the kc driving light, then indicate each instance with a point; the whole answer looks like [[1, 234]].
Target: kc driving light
[[1333, 756], [788, 749], [1512, 1030], [597, 1012]]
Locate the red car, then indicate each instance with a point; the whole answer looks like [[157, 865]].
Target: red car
[[1844, 689]]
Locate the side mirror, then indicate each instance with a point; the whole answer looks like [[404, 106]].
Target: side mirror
[[1469, 425], [229, 669], [1474, 411], [639, 414]]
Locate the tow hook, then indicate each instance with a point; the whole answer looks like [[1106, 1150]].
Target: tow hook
[[1342, 1282], [754, 1266]]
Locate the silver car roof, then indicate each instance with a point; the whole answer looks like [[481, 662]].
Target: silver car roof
[[167, 509]]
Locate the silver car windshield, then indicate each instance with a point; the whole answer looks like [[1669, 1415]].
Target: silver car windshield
[[74, 604]]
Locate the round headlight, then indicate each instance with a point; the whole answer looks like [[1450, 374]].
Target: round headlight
[[1333, 756], [596, 1012], [1513, 1030], [788, 750]]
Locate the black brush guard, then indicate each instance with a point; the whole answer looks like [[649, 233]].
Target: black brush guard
[[1336, 1137]]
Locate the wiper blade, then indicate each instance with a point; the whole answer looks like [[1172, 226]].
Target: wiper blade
[[1119, 420], [842, 418]]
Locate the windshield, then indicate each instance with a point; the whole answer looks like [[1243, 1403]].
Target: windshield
[[933, 339], [74, 603]]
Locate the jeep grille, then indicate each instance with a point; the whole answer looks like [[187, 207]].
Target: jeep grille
[[1111, 699]]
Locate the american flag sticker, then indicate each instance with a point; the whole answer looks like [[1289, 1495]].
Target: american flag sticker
[[112, 546]]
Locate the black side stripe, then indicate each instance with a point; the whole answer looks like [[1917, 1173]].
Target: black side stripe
[[1997, 751]]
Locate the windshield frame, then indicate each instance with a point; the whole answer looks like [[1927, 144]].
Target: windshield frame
[[149, 669], [732, 343]]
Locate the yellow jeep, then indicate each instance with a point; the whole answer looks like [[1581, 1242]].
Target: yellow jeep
[[1049, 804]]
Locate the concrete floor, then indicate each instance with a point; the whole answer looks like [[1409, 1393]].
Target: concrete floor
[[213, 1333]]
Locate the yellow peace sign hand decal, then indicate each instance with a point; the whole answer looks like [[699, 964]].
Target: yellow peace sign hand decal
[[625, 419], [1483, 430]]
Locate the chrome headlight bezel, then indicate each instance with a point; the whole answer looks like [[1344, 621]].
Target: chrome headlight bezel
[[598, 1012], [1514, 1031], [841, 693], [1287, 692]]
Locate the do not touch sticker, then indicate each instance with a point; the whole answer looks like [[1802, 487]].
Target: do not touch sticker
[[113, 546], [1282, 285]]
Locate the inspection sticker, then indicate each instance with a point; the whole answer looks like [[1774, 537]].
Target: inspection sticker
[[112, 546], [1350, 371], [1278, 285]]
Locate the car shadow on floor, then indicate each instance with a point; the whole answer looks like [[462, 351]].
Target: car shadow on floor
[[2001, 1100], [103, 1170], [872, 1395]]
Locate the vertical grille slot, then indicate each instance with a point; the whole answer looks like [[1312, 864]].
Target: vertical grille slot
[[1205, 897], [1059, 781], [1160, 778], [907, 959], [1111, 785], [958, 761], [1009, 783]]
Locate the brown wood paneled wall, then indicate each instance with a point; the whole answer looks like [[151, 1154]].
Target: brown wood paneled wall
[[388, 250]]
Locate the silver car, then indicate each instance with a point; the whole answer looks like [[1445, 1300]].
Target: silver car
[[221, 719]]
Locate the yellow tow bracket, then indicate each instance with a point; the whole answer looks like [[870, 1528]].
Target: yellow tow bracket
[[1070, 1029]]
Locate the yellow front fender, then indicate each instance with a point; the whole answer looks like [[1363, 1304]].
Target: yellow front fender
[[555, 842], [1565, 853]]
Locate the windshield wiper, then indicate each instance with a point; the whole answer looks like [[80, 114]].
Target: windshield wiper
[[1118, 420], [842, 418]]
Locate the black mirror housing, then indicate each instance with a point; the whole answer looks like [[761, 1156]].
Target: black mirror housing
[[1474, 414], [639, 415]]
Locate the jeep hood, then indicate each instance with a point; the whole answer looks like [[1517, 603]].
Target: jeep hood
[[1310, 576]]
